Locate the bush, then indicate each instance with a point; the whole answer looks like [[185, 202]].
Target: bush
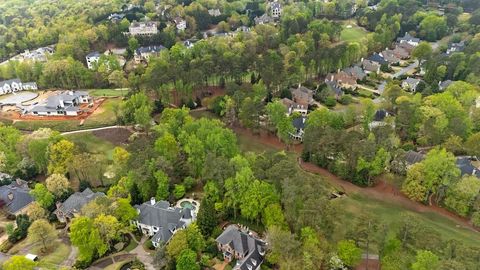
[[179, 191], [476, 219], [346, 99], [189, 182], [81, 264], [330, 102], [5, 246], [149, 245], [11, 217]]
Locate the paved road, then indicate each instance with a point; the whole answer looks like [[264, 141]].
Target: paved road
[[405, 70], [94, 129]]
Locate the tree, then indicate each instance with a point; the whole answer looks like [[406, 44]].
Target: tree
[[461, 195], [207, 217], [179, 191], [124, 211], [187, 260], [167, 147], [109, 228], [36, 211], [42, 231], [57, 184], [117, 79], [273, 216], [120, 158], [473, 144], [86, 238], [17, 262], [41, 194], [425, 260], [423, 51], [349, 253], [60, 157], [133, 44], [162, 185]]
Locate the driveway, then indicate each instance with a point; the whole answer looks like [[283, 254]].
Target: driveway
[[406, 70]]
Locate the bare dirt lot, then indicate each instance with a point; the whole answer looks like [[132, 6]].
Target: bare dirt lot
[[117, 136]]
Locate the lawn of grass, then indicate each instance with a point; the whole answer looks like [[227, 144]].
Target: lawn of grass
[[92, 143], [390, 213], [55, 258], [105, 117], [353, 34], [108, 92], [115, 266]]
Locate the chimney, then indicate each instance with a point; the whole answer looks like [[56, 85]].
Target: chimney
[[331, 79], [152, 201], [361, 60], [303, 120]]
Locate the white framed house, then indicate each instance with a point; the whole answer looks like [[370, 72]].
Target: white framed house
[[92, 58], [67, 103], [14, 85]]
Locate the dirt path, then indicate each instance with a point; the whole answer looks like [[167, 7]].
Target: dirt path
[[383, 191]]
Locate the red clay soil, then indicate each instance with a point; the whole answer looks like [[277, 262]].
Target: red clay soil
[[382, 191], [373, 264], [87, 111]]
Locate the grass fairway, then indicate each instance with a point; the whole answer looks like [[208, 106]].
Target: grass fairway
[[92, 144], [108, 92], [391, 214], [53, 259], [353, 34]]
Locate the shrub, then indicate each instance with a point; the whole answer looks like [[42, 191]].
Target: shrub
[[179, 191], [330, 102], [346, 99], [5, 246], [189, 182], [476, 219]]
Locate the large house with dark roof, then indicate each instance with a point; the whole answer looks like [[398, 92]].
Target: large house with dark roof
[[71, 207], [160, 221], [15, 197], [144, 53], [248, 250], [67, 103]]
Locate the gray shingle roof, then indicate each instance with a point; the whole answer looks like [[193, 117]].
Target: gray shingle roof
[[93, 54], [244, 244], [77, 200], [16, 196], [167, 219], [2, 83], [413, 157], [408, 38], [466, 167]]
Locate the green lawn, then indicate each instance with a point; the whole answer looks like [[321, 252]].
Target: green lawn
[[391, 214], [108, 92], [104, 116], [353, 34], [55, 258], [92, 143]]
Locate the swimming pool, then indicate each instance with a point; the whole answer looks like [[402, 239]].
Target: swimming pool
[[187, 204]]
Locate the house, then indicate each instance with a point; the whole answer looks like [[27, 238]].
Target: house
[[299, 125], [302, 95], [276, 9], [412, 157], [214, 12], [390, 56], [335, 89], [379, 119], [293, 107], [160, 221], [356, 72], [144, 53], [409, 39], [67, 103], [15, 197], [406, 46], [188, 43], [72, 206], [342, 79], [143, 28], [180, 23], [370, 66], [456, 47], [92, 58], [116, 17], [464, 164], [264, 19], [443, 85], [378, 58], [14, 85], [37, 55], [248, 250], [401, 52], [411, 84]]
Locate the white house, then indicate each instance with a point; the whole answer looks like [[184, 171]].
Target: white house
[[67, 103], [214, 12], [92, 58], [37, 55], [408, 39], [143, 28], [410, 84], [180, 23], [14, 85], [161, 221], [276, 9]]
